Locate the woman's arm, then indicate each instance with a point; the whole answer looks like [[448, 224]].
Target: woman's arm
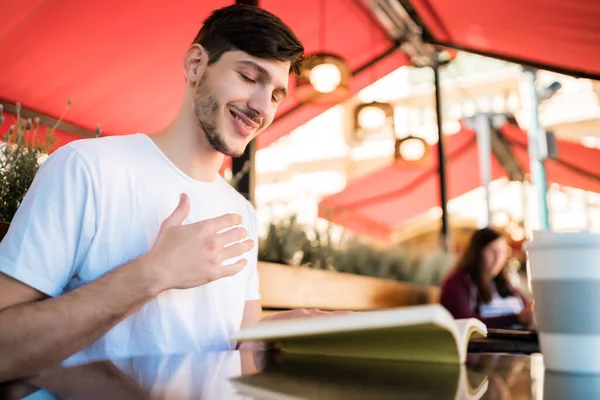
[[456, 298]]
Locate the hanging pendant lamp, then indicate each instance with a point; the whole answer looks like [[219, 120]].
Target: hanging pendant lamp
[[325, 76]]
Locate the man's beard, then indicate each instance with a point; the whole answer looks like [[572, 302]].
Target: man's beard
[[205, 111]]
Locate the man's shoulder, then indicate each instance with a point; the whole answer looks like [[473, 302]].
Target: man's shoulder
[[113, 153], [106, 144]]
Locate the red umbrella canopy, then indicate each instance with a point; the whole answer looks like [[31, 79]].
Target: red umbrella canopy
[[379, 203], [120, 62], [552, 34]]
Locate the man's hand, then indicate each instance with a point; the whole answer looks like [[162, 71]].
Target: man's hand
[[286, 315], [186, 256], [302, 313]]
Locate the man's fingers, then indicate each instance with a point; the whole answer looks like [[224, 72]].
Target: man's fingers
[[222, 222], [232, 236], [180, 213], [236, 250], [230, 270], [342, 312], [313, 312]]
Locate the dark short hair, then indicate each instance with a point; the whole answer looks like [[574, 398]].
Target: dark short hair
[[251, 30]]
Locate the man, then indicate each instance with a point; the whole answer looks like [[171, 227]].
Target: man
[[134, 244]]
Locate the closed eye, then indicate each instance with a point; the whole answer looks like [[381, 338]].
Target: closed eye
[[246, 78]]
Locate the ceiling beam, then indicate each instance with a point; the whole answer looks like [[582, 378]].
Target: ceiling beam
[[527, 63]]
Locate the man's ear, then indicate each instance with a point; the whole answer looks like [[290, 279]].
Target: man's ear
[[195, 62]]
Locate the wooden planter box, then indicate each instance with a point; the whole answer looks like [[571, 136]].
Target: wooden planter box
[[285, 287]]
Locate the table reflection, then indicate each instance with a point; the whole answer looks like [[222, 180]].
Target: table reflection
[[185, 376], [274, 375], [310, 377], [510, 377]]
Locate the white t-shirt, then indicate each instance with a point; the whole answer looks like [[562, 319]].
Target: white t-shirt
[[96, 204]]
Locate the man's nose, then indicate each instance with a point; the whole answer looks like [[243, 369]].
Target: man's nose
[[261, 103]]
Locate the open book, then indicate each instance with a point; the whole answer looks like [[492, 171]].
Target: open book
[[425, 333], [315, 377]]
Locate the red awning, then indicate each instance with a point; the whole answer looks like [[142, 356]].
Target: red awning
[[120, 61], [552, 34], [379, 203]]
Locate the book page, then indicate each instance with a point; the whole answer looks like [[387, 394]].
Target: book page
[[466, 329], [356, 321], [419, 333], [424, 343]]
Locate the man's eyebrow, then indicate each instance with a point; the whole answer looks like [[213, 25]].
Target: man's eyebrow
[[257, 67], [265, 74]]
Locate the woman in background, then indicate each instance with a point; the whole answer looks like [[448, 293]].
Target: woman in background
[[479, 286]]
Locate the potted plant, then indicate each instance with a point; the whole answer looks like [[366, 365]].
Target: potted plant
[[303, 268], [22, 150]]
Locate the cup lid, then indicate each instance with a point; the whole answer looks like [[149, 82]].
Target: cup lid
[[543, 239]]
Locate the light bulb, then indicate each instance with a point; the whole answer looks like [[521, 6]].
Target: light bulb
[[451, 127], [412, 149], [371, 118], [500, 219], [518, 234], [325, 78]]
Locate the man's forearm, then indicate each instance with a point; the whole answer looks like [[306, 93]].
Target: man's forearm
[[36, 335]]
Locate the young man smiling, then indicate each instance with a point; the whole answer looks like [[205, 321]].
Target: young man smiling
[[134, 244]]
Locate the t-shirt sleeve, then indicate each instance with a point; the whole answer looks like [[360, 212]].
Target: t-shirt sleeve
[[51, 232], [252, 292]]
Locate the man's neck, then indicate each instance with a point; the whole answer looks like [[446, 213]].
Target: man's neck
[[187, 148]]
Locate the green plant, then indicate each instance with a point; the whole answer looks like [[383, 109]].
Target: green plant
[[21, 153], [361, 257], [284, 243], [287, 242]]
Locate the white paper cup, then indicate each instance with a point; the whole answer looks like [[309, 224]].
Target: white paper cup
[[564, 269]]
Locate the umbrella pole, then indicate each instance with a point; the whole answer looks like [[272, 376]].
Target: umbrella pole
[[537, 152], [245, 165], [483, 133], [441, 157]]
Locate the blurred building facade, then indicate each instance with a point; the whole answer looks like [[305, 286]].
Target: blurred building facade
[[320, 157]]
